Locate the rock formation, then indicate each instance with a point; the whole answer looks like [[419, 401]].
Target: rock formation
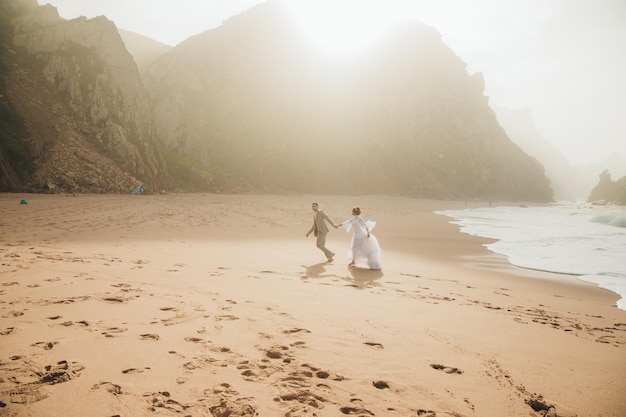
[[86, 117], [249, 106], [609, 191], [257, 108], [143, 49]]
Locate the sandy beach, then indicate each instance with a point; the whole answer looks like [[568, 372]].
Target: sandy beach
[[217, 305]]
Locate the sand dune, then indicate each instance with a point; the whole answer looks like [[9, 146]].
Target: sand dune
[[217, 305]]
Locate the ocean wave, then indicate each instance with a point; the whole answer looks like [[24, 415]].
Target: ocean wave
[[618, 220], [568, 239]]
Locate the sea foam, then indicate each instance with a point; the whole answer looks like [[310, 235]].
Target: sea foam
[[570, 238]]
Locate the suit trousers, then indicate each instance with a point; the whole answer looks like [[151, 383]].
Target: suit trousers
[[321, 244]]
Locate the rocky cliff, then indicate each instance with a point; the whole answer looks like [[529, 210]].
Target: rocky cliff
[[143, 49], [250, 106], [253, 105], [75, 114], [609, 191]]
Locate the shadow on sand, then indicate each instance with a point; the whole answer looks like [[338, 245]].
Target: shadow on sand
[[317, 271], [358, 277], [363, 277]]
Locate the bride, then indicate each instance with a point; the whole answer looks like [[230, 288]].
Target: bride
[[364, 246]]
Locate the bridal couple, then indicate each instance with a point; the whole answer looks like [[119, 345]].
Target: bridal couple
[[364, 247]]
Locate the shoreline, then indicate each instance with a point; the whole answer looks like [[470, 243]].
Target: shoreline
[[201, 304], [596, 279]]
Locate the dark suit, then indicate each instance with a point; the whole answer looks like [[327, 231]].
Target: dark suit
[[320, 229]]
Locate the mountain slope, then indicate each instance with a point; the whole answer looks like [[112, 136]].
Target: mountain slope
[[143, 49], [256, 106], [86, 118], [250, 106]]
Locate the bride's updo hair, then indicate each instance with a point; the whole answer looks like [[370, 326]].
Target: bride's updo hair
[[356, 211]]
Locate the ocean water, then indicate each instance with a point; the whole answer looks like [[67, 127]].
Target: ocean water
[[572, 238]]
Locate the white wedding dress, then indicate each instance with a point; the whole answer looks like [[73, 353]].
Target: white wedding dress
[[363, 249]]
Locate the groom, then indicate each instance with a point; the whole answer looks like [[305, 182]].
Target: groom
[[320, 230]]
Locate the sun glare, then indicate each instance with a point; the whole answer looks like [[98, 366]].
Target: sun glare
[[343, 28]]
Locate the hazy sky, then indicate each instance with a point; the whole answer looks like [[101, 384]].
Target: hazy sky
[[564, 59]]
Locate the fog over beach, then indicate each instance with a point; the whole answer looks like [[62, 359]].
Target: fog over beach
[[561, 60]]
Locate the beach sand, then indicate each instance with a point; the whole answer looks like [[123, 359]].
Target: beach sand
[[217, 305]]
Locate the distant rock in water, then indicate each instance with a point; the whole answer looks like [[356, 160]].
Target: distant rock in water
[[259, 109], [609, 191], [75, 114]]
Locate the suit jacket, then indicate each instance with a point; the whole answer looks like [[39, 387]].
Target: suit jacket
[[319, 223]]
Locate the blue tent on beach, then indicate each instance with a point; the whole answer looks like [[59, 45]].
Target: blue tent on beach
[[139, 190]]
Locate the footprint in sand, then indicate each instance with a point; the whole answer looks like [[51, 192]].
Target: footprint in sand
[[184, 378], [149, 336], [543, 407], [380, 384], [322, 374], [28, 380], [109, 386], [70, 300], [164, 400], [222, 389], [139, 264], [28, 394], [194, 339], [135, 370], [114, 299], [173, 352], [45, 345], [237, 407], [355, 411], [226, 317], [179, 317], [608, 339], [7, 331], [446, 369], [111, 331], [58, 373], [276, 352], [296, 330], [71, 323]]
